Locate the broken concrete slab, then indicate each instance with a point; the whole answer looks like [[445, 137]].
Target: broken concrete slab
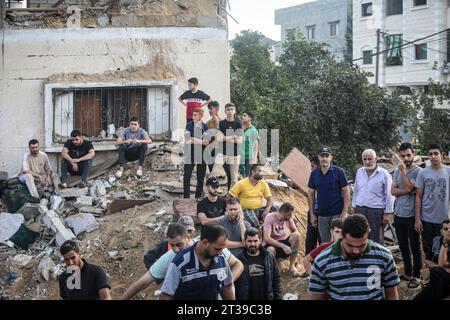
[[97, 190], [83, 201], [121, 204], [30, 211], [120, 195], [82, 222], [9, 224], [297, 167], [94, 211], [172, 187], [56, 202], [52, 221], [45, 266], [72, 192], [19, 260]]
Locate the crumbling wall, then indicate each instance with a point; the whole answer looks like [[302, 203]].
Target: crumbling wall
[[33, 58], [123, 13]]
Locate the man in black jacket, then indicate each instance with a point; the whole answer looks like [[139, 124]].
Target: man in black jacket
[[261, 277]]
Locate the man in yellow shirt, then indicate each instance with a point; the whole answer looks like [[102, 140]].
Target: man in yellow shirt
[[251, 192]]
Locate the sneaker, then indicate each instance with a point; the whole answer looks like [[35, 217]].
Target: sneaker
[[62, 185], [139, 173], [119, 173], [82, 184], [35, 200]]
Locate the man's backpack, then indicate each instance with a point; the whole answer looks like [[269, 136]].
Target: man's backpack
[[155, 253]]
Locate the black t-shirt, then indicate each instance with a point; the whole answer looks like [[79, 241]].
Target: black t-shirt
[[234, 128], [256, 280], [212, 209], [193, 101], [194, 152], [92, 279], [76, 152]]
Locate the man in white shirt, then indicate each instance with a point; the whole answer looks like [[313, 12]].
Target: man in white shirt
[[35, 168]]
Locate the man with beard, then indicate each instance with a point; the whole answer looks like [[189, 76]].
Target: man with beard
[[432, 200], [251, 192], [261, 277], [81, 280], [35, 169], [200, 272], [77, 154], [235, 225], [372, 195], [408, 239], [281, 236], [212, 207], [354, 268], [329, 185]]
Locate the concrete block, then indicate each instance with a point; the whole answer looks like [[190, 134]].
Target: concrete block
[[56, 202], [52, 221], [72, 192], [45, 266], [94, 211], [83, 201], [82, 222]]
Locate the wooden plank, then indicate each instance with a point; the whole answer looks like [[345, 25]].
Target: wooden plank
[[122, 204], [297, 167]]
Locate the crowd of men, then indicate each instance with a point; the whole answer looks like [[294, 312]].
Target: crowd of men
[[243, 235]]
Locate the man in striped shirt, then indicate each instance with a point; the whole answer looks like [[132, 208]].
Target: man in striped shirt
[[354, 268]]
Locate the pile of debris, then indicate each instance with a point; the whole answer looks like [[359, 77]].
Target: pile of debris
[[122, 13], [30, 237]]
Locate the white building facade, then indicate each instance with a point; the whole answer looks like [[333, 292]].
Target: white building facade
[[413, 41]]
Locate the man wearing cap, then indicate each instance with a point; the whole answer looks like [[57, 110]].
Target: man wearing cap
[[328, 183], [212, 207], [155, 253]]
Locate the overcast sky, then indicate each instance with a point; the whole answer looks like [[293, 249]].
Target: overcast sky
[[257, 15]]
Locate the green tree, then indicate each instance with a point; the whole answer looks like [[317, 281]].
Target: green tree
[[432, 125], [315, 100]]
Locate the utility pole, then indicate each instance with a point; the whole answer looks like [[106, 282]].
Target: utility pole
[[377, 63]]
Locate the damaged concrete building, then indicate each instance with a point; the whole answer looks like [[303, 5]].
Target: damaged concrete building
[[93, 65]]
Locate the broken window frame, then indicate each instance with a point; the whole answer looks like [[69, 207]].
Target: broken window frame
[[393, 55]]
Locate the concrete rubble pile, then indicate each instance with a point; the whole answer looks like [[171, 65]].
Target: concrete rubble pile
[[73, 213]]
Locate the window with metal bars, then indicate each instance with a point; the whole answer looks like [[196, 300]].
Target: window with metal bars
[[99, 112]]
